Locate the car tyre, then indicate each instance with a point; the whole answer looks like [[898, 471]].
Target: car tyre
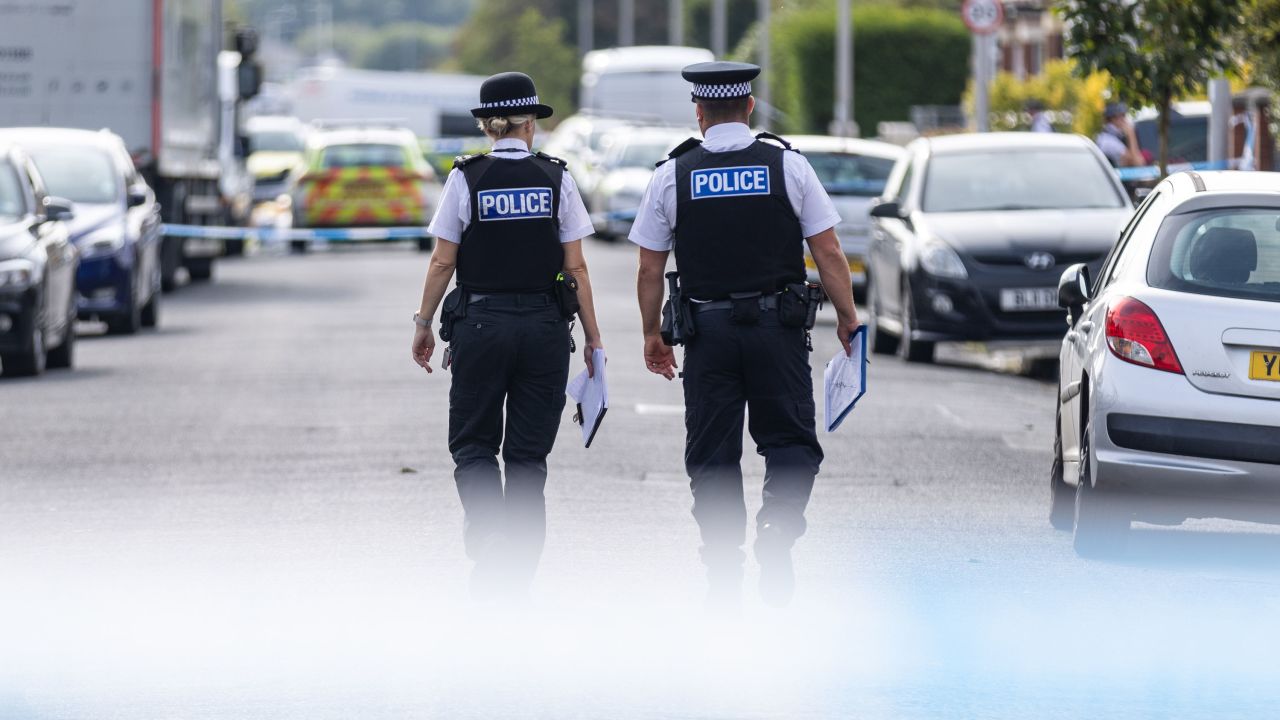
[[200, 269], [881, 342], [913, 351], [1061, 495], [170, 261], [1101, 527], [126, 324], [233, 248], [151, 312], [426, 244], [63, 356], [29, 363], [299, 247]]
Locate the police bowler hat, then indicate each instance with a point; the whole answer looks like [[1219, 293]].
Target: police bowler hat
[[509, 93]]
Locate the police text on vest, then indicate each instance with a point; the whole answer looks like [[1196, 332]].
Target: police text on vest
[[515, 203], [729, 182]]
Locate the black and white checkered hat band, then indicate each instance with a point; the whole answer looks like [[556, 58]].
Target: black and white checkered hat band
[[518, 102], [733, 90]]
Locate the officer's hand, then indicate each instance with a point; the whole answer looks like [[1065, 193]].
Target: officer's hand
[[424, 343], [659, 357], [845, 327], [589, 355]]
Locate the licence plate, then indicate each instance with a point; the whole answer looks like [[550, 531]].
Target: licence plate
[[1028, 299], [1265, 365]]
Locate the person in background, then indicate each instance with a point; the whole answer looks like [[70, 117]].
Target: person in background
[[511, 224], [1118, 141], [1039, 119]]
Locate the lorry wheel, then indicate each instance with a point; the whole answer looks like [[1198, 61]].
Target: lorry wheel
[[1101, 518], [299, 247], [426, 244], [151, 312], [29, 363], [63, 356], [200, 269]]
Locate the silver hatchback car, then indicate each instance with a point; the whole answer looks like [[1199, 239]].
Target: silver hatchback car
[[1169, 398]]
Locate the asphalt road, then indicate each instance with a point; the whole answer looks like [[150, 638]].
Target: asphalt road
[[249, 513]]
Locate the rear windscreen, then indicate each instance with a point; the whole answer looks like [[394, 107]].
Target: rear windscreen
[[1227, 252], [363, 155]]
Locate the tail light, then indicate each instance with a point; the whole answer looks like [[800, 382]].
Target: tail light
[[1135, 335]]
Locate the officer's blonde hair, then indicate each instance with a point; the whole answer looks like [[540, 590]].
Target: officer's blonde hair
[[500, 127]]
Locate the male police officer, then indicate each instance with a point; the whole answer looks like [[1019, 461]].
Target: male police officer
[[511, 221], [737, 210]]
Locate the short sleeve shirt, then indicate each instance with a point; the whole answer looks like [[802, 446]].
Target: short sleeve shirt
[[654, 226], [1112, 146], [453, 214]]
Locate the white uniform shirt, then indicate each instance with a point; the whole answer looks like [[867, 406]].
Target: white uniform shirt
[[1112, 145], [453, 215], [655, 223]]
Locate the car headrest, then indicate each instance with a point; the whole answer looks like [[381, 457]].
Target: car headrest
[[1225, 255]]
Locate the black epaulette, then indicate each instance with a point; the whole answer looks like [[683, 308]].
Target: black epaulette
[[462, 161], [680, 149], [552, 158], [778, 139]]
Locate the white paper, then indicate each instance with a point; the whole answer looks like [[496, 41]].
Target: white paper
[[846, 379], [592, 396]]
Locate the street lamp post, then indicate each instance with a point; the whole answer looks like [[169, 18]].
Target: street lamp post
[[843, 123], [626, 23], [675, 22], [764, 9], [586, 26], [719, 28]]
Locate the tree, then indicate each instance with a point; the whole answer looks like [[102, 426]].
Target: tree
[[1074, 102], [1155, 50], [507, 35], [1262, 41]]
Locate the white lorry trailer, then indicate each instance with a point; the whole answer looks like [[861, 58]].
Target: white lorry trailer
[[149, 71]]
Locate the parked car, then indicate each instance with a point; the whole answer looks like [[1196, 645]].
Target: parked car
[[37, 271], [624, 173], [365, 176], [581, 141], [116, 227], [973, 231], [854, 173], [1169, 397]]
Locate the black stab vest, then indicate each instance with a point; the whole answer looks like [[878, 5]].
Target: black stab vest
[[512, 243], [734, 233]]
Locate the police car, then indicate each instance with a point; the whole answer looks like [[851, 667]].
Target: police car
[[361, 176]]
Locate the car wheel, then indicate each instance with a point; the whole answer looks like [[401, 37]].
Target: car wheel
[[233, 248], [426, 244], [1101, 518], [881, 342], [915, 351], [26, 364], [1061, 500], [63, 356], [127, 323], [151, 312], [200, 269], [170, 261], [299, 247]]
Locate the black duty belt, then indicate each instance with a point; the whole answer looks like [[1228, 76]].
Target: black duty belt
[[508, 300], [767, 302]]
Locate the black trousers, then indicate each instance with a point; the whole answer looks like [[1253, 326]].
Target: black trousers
[[765, 369], [514, 355]]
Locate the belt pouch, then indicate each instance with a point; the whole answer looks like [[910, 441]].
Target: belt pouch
[[793, 304], [452, 309], [816, 295], [566, 292], [745, 308]]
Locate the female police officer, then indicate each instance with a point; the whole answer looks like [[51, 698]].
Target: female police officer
[[511, 222]]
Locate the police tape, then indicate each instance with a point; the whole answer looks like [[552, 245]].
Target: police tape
[[268, 234], [1151, 173]]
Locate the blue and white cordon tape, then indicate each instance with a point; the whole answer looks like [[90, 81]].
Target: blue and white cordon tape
[[277, 235]]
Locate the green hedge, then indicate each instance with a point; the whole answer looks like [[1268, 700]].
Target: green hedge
[[902, 57]]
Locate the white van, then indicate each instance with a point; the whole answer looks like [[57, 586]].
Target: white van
[[640, 82]]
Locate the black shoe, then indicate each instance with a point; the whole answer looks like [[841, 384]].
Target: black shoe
[[777, 575]]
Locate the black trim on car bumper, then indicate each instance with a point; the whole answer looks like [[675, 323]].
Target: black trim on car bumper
[[1196, 438]]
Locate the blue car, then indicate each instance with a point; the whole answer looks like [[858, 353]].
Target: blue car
[[116, 226]]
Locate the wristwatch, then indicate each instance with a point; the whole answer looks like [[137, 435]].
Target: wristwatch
[[421, 321]]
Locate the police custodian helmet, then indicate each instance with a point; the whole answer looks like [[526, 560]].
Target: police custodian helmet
[[510, 93], [720, 80]]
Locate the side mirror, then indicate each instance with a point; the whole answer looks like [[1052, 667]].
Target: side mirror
[[56, 208], [136, 196], [1074, 288], [887, 209]]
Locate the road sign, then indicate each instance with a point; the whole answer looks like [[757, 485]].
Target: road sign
[[982, 16]]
